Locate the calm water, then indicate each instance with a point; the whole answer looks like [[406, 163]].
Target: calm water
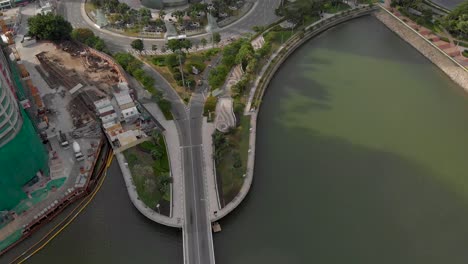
[[361, 158], [110, 231]]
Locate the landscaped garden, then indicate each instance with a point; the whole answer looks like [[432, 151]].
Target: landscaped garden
[[150, 168], [231, 153], [192, 19], [182, 66]]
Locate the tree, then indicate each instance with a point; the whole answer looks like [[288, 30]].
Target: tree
[[138, 44], [156, 135], [156, 153], [186, 44], [82, 34], [171, 60], [49, 27], [245, 54], [216, 37], [162, 14], [100, 45], [203, 42], [174, 45], [124, 59], [145, 15], [133, 66], [122, 8], [210, 104], [457, 20]]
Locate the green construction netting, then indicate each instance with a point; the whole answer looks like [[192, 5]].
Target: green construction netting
[[20, 160], [11, 239]]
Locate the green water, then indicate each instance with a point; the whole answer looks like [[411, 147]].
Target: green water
[[362, 157]]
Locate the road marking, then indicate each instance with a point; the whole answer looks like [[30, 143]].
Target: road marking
[[190, 146], [194, 197]]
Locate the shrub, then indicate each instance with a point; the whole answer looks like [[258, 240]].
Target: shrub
[[210, 105], [171, 60], [146, 146], [238, 108], [218, 76], [165, 107], [177, 76], [147, 81], [159, 60]]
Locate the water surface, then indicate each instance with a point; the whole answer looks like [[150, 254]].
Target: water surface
[[361, 158]]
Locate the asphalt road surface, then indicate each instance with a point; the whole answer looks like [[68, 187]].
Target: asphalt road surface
[[261, 14]]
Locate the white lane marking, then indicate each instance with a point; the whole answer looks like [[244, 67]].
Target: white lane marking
[[194, 197]]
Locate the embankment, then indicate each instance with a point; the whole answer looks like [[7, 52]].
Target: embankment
[[440, 59]]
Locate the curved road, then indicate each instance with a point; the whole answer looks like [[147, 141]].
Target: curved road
[[262, 13]]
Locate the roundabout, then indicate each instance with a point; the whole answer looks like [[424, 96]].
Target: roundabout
[[261, 13]]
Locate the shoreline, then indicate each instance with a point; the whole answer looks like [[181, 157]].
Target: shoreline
[[252, 109], [454, 71]]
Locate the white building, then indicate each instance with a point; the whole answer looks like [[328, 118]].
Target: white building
[[128, 110], [105, 111]]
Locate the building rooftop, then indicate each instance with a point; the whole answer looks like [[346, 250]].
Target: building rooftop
[[102, 103], [123, 98]]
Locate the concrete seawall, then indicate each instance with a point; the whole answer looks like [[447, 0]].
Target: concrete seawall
[[456, 72]]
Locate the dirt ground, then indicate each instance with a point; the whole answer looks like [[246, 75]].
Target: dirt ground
[[71, 64]]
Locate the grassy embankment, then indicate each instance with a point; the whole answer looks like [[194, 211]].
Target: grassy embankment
[[149, 164], [231, 153], [333, 8]]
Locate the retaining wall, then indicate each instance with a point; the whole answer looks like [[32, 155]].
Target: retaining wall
[[447, 64]]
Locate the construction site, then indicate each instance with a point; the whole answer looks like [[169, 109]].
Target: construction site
[[56, 87], [65, 95]]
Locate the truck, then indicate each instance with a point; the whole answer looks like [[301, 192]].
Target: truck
[[63, 140], [77, 150]]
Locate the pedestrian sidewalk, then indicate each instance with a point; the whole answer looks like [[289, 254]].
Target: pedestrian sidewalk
[[210, 170]]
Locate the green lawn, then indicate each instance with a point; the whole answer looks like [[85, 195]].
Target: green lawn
[[231, 177], [277, 38], [148, 173], [335, 8]]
